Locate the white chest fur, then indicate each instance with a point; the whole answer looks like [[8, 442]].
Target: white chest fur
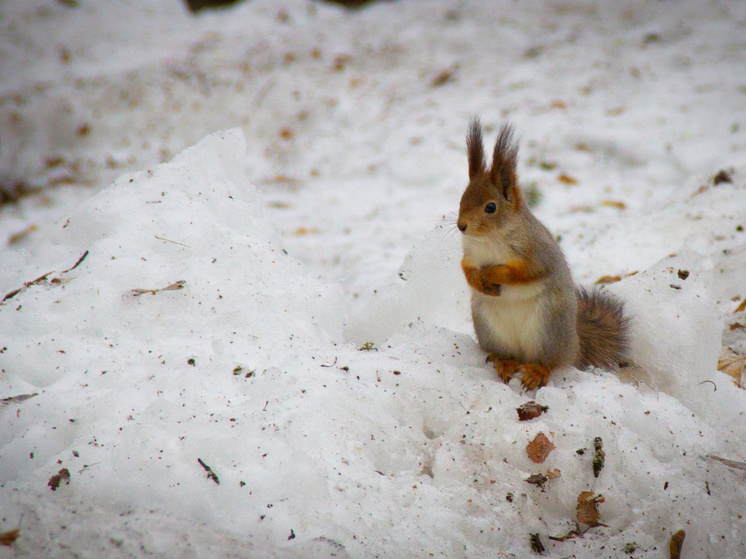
[[511, 323]]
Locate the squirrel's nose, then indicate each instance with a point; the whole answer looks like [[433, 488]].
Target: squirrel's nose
[[461, 226]]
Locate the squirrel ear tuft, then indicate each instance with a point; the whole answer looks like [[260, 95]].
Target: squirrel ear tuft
[[504, 163], [474, 148]]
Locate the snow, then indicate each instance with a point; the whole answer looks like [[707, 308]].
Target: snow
[[265, 197]]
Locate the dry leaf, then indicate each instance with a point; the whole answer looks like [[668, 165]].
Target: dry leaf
[[557, 104], [530, 410], [733, 365], [614, 204], [537, 479], [55, 481], [442, 78], [539, 448], [305, 231], [721, 177], [587, 508], [553, 474], [676, 543], [567, 179], [741, 307], [9, 538], [608, 279], [18, 237]]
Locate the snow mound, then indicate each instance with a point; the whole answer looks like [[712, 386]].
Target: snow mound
[[432, 289], [194, 380]]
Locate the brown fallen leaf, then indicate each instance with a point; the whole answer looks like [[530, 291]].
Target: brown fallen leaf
[[733, 365], [539, 448], [9, 538], [530, 410], [538, 480], [608, 279], [676, 543], [553, 474], [721, 177], [587, 509], [567, 179], [741, 307], [55, 481]]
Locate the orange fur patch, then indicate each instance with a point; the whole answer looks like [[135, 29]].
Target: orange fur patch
[[512, 273]]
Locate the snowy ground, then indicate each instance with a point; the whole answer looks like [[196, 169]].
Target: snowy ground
[[312, 217]]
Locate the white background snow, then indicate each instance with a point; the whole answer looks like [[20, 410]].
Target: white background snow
[[312, 214]]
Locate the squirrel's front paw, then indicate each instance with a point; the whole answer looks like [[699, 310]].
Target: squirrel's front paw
[[491, 289]]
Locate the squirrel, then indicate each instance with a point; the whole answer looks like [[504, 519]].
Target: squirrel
[[528, 314]]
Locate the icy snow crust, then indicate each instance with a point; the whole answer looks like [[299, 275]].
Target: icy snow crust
[[314, 348]]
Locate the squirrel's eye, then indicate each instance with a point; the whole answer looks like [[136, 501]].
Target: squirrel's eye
[[490, 208]]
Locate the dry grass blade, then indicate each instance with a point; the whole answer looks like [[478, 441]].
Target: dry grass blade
[[172, 287], [17, 399], [730, 463], [26, 286]]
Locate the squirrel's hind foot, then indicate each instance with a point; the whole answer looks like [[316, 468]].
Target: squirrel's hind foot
[[533, 375], [505, 368]]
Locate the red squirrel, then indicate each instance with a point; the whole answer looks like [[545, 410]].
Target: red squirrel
[[528, 314]]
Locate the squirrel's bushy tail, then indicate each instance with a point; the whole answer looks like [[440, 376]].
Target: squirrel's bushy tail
[[602, 328]]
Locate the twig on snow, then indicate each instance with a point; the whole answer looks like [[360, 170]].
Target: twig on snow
[[210, 474], [78, 263]]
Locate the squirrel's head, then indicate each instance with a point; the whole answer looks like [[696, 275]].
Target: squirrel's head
[[492, 195]]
